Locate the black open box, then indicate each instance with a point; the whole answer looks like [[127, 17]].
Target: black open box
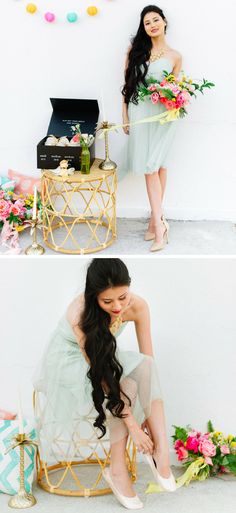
[[68, 112]]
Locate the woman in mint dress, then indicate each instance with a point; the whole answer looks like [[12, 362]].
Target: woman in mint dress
[[149, 143], [84, 373]]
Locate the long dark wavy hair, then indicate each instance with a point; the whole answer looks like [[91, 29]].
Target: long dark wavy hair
[[138, 57], [100, 344]]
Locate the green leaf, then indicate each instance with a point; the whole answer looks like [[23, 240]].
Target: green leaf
[[229, 461], [180, 433], [210, 428]]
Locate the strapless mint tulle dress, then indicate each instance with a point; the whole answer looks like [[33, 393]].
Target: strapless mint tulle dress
[[64, 402], [149, 144]]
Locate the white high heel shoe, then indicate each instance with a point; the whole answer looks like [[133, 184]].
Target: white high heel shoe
[[127, 502], [167, 483]]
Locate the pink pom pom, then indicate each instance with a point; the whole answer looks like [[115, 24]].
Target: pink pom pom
[[49, 16]]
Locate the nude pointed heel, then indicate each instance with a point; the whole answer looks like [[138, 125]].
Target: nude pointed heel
[[127, 502], [149, 236], [166, 483], [158, 246]]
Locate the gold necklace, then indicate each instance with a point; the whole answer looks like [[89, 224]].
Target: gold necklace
[[115, 326], [158, 55]]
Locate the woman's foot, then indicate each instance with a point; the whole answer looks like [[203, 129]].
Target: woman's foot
[[159, 230], [123, 482], [150, 234], [162, 463], [162, 472], [117, 485]]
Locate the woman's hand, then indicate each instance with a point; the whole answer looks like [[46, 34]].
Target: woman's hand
[[125, 121], [142, 441]]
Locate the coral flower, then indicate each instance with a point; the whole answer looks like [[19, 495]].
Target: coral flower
[[182, 453]]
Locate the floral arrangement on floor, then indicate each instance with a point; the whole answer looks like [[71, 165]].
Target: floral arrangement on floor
[[173, 93], [15, 216], [206, 454], [203, 455]]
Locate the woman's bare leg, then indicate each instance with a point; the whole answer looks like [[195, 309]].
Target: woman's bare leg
[[119, 469], [163, 178], [154, 191], [157, 428]]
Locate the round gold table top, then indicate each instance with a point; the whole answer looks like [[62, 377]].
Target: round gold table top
[[95, 174]]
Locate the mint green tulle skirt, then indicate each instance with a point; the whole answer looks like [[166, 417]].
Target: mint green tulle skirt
[[64, 407]]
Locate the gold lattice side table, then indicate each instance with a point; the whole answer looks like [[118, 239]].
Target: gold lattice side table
[[79, 210], [64, 476]]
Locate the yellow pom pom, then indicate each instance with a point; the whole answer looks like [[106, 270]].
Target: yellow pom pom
[[92, 10], [31, 8]]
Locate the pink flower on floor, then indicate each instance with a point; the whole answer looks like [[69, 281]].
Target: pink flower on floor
[[182, 453], [208, 461], [19, 204], [192, 443], [224, 449], [4, 209], [155, 98], [15, 209], [178, 443], [206, 447]]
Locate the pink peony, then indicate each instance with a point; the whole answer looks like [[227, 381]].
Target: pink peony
[[4, 209], [208, 460], [152, 87], [224, 449], [206, 447], [192, 443], [182, 453], [155, 98]]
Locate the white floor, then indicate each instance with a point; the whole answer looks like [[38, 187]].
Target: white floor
[[215, 495], [186, 238]]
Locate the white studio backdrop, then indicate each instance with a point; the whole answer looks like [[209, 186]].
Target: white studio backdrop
[[42, 60], [192, 305]]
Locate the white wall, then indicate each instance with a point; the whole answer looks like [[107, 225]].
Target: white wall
[[192, 303], [65, 60]]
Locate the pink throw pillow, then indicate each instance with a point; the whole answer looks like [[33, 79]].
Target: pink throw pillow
[[24, 183], [6, 415]]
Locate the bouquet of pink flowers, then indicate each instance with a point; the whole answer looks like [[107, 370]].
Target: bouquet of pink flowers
[[205, 454], [15, 215], [171, 92]]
